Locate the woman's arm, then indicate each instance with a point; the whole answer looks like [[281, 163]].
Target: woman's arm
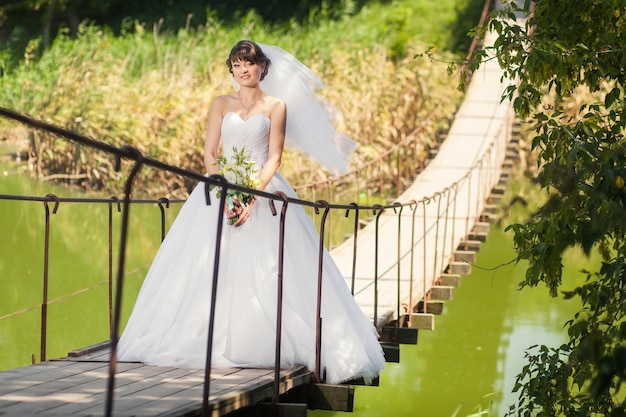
[[213, 135], [276, 143]]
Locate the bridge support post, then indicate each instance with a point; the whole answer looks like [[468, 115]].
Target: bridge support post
[[281, 409], [402, 335], [441, 292], [315, 397], [470, 244], [423, 321], [450, 280], [391, 351]]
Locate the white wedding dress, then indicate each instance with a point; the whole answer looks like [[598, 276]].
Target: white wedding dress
[[169, 323]]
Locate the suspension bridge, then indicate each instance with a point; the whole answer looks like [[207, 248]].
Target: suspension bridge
[[400, 267]]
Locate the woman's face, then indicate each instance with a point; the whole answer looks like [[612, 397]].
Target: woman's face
[[247, 73]]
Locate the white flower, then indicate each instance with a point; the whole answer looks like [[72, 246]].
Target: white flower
[[231, 177], [239, 170]]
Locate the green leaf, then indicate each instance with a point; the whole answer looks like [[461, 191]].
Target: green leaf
[[611, 97]]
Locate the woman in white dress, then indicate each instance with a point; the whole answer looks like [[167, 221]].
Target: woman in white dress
[[169, 323]]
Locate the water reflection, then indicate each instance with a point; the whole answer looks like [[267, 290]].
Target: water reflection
[[467, 365], [78, 314], [521, 338]]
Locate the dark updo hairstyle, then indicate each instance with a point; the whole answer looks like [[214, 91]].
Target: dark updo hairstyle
[[248, 51]]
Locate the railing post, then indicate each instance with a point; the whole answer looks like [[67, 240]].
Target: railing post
[[445, 229], [425, 307], [330, 215], [438, 195], [279, 297], [223, 184], [413, 207], [160, 203], [354, 246], [139, 159], [455, 186], [116, 200], [398, 255], [377, 211], [320, 275], [46, 251], [482, 184], [469, 204]]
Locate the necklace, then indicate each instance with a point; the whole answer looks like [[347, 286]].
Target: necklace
[[248, 107]]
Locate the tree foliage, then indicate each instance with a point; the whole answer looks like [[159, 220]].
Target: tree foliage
[[30, 26], [568, 59], [34, 15]]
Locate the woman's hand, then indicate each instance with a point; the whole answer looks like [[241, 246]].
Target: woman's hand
[[239, 211]]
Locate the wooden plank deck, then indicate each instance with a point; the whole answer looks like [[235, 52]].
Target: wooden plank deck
[[76, 386]]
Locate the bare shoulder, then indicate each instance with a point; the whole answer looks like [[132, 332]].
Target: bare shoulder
[[221, 104], [275, 104], [224, 100], [274, 101]]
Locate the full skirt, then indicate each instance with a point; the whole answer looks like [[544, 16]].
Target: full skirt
[[170, 320]]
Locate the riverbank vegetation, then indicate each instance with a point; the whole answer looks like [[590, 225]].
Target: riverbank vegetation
[[149, 83], [571, 91]]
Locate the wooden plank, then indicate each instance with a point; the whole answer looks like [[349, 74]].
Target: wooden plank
[[468, 244], [324, 397], [79, 396], [497, 199], [391, 351], [467, 256], [281, 409], [226, 394], [460, 268], [162, 391], [441, 292], [490, 208], [450, 280], [73, 388], [7, 375], [435, 307], [94, 391], [423, 321], [99, 356], [257, 391], [75, 383], [30, 376], [402, 335], [97, 348]]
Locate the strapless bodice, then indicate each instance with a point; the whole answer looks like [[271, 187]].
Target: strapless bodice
[[252, 133]]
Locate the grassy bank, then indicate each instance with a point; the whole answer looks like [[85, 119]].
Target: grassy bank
[[151, 88]]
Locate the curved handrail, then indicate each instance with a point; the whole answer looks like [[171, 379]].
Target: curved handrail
[[128, 153], [438, 197]]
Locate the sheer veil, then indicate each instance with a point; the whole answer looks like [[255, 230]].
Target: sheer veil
[[310, 118]]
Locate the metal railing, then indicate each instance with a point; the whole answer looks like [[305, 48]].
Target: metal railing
[[446, 217], [132, 154], [480, 177]]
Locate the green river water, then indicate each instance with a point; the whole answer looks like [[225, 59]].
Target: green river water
[[467, 366]]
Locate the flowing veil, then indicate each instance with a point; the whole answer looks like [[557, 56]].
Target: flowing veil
[[310, 118]]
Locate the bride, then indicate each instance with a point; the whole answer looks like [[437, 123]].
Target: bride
[[169, 323]]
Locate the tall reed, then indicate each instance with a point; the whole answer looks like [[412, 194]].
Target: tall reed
[[152, 90]]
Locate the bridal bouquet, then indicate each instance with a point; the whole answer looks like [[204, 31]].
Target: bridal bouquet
[[239, 170]]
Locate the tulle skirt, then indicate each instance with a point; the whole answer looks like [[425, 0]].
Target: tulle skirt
[[169, 323]]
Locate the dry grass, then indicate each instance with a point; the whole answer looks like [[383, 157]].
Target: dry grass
[[154, 93]]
